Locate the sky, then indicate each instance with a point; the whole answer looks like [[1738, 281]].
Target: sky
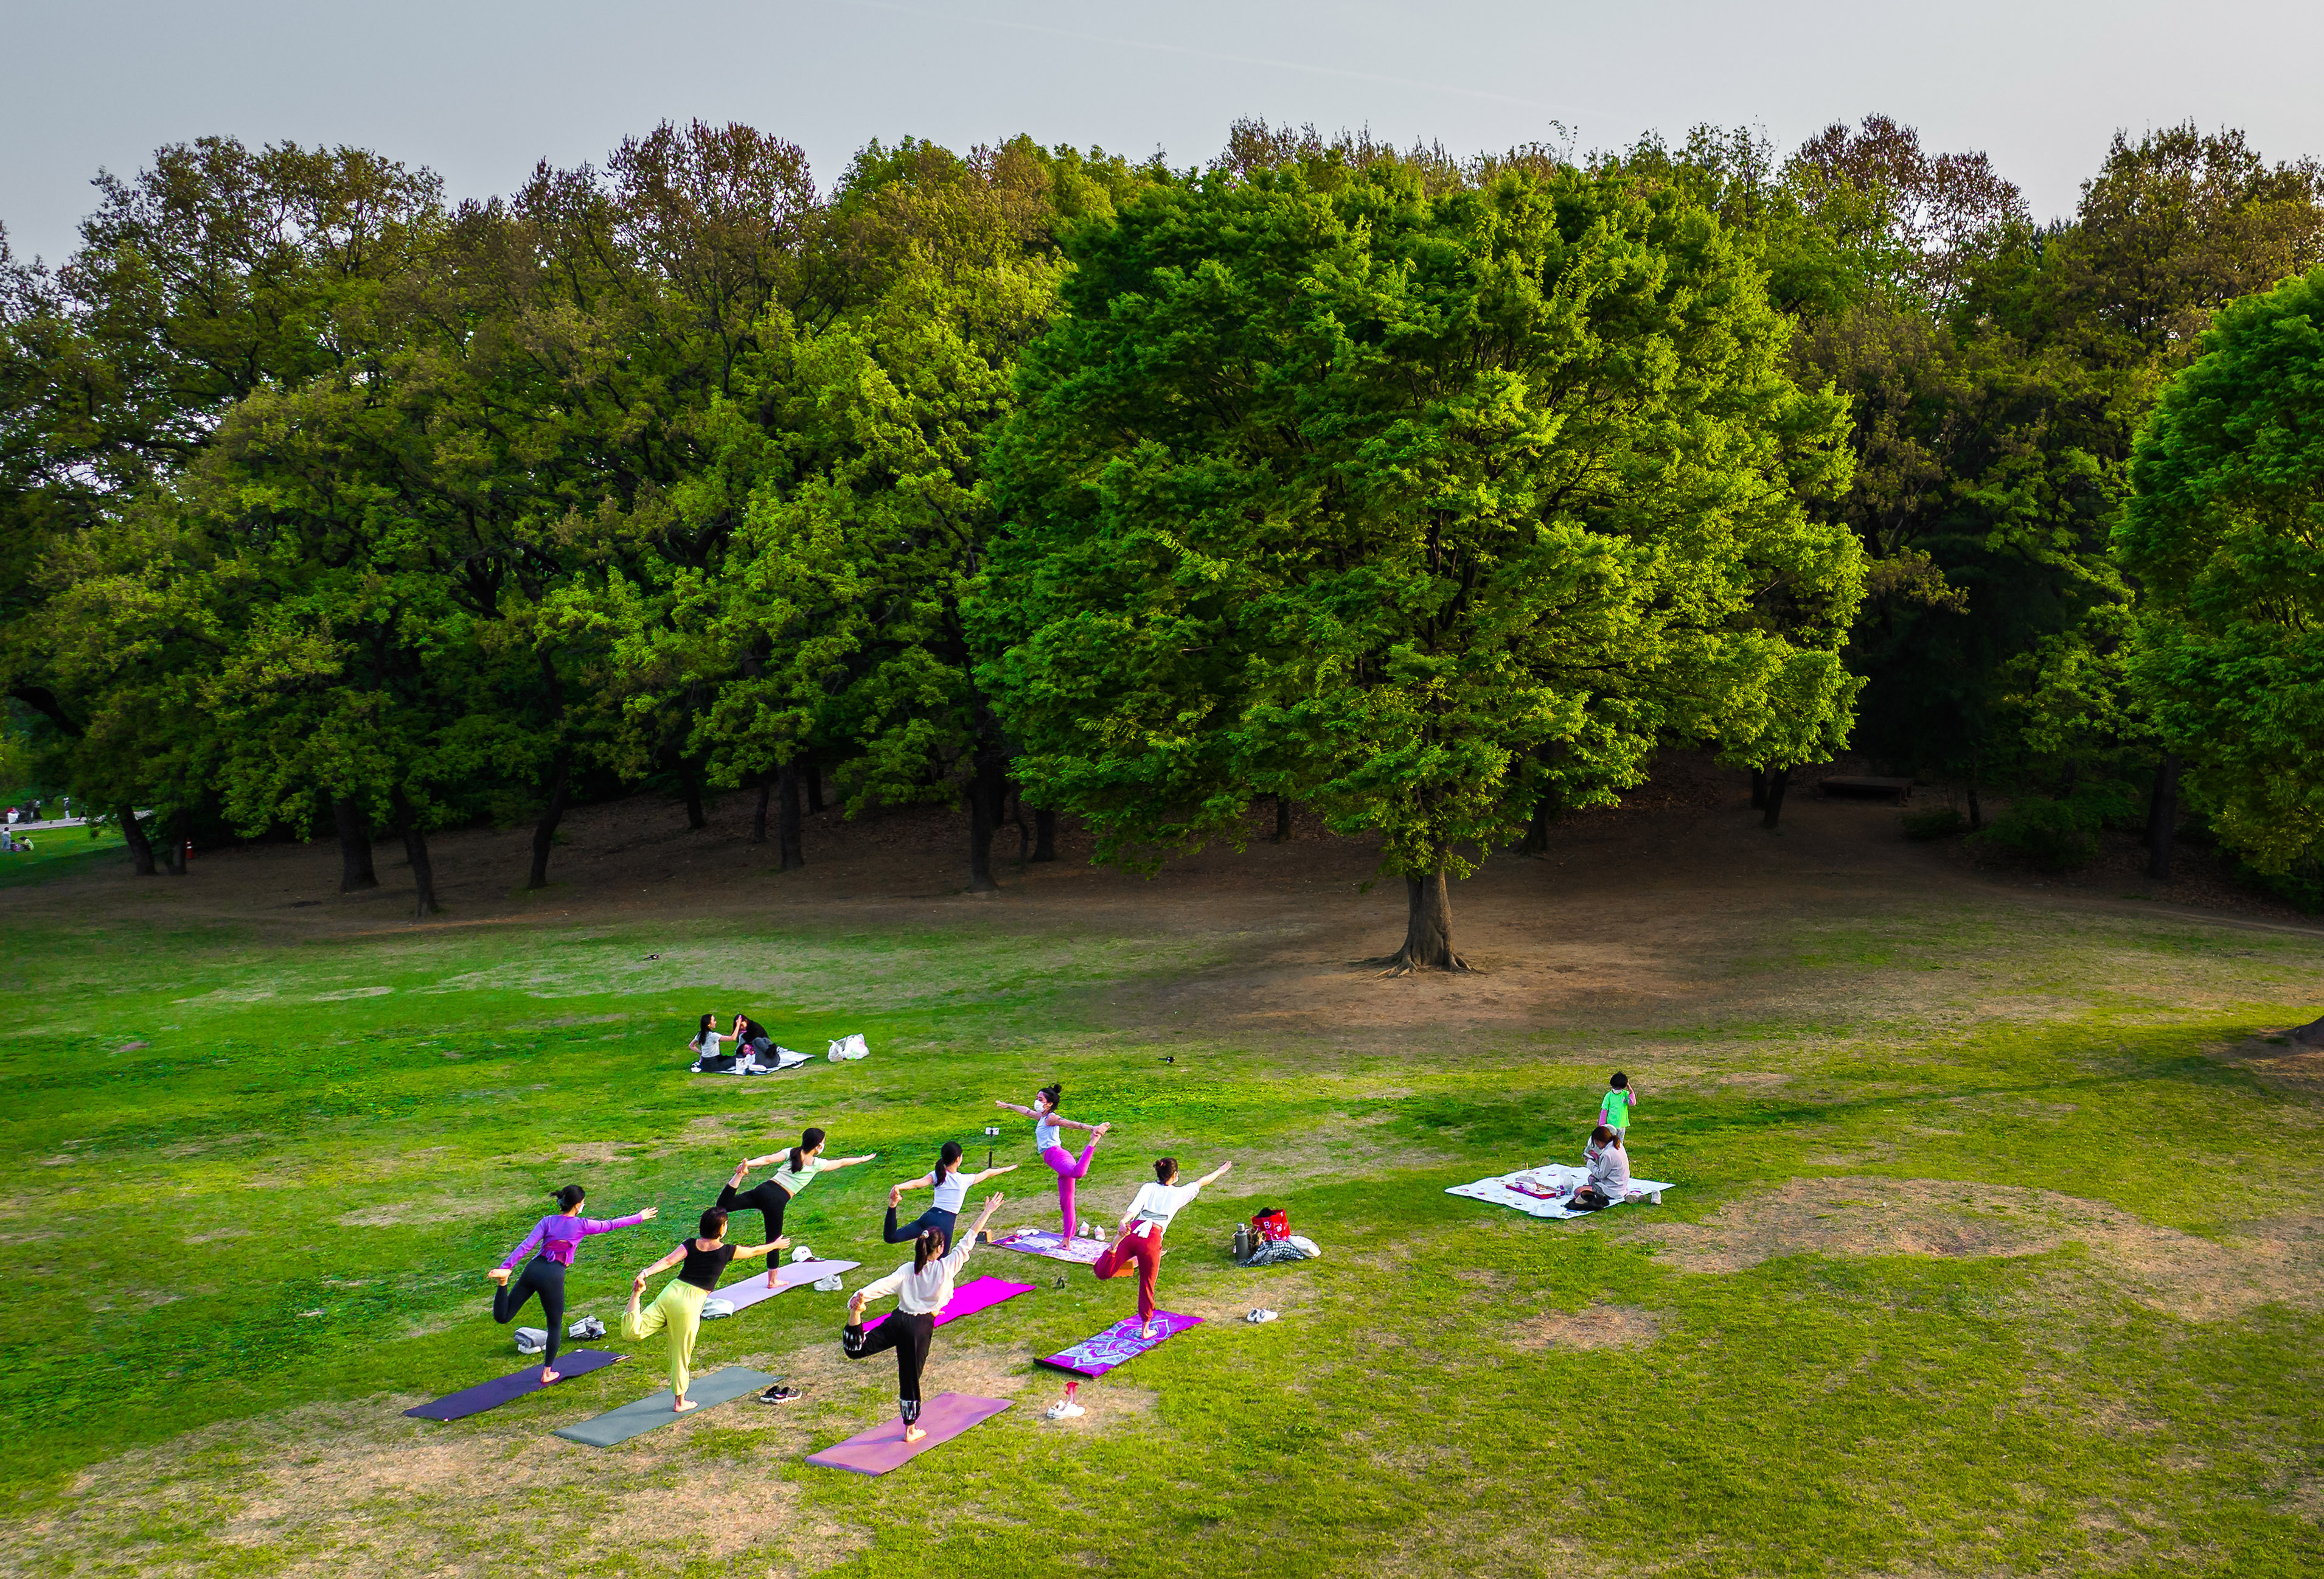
[[479, 92]]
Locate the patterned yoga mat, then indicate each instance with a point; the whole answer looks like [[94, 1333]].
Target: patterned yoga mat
[[1118, 1345], [1041, 1242]]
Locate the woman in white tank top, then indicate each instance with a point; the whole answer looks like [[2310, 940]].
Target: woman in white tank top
[[951, 1187]]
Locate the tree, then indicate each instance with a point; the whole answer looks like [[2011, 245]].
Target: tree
[[1331, 488], [2225, 534]]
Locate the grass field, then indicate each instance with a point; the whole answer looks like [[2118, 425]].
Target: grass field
[[1999, 1249]]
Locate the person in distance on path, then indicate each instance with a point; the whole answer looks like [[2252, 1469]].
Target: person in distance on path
[[556, 1237], [1142, 1226], [921, 1289]]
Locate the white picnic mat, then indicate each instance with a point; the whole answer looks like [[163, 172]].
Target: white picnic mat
[[1502, 1191]]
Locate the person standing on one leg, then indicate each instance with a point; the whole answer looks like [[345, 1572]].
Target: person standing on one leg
[[678, 1309], [951, 1187], [1139, 1242], [921, 1290], [555, 1237], [1049, 1141], [771, 1196]]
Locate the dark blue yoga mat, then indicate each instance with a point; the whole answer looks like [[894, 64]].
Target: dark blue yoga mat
[[491, 1395]]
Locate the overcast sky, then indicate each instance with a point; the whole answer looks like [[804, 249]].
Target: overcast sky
[[480, 90]]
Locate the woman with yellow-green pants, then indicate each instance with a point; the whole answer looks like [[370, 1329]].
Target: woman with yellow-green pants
[[676, 1310]]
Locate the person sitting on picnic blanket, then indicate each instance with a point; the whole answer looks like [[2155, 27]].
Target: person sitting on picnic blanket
[[752, 1038], [1609, 1175]]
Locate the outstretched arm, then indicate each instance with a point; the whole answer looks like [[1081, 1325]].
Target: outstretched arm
[[743, 1252], [926, 1181], [992, 1173], [1016, 1108], [532, 1242], [848, 1162], [607, 1224], [1214, 1175], [639, 1283], [967, 1241]]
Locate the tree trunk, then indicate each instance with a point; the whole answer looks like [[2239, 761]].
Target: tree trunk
[[1758, 790], [2163, 818], [813, 772], [985, 792], [759, 818], [1976, 811], [544, 832], [1779, 780], [173, 845], [1044, 834], [689, 787], [786, 817], [1428, 928], [415, 854], [141, 848], [1536, 839], [1282, 820], [355, 846]]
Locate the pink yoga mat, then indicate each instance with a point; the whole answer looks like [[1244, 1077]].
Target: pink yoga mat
[[745, 1292], [882, 1448], [1040, 1241], [1118, 1345], [969, 1298]]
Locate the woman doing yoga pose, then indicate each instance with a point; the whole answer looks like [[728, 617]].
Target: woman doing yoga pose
[[1049, 1141], [555, 1237], [921, 1289], [677, 1308], [1142, 1226], [771, 1195], [951, 1187]]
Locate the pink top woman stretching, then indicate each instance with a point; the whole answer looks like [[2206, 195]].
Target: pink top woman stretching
[[1048, 1139]]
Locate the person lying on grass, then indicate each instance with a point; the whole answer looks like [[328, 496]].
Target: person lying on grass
[[772, 1196], [678, 1309]]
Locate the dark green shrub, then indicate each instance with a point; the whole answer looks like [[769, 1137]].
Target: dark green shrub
[[2303, 887], [2055, 834], [1939, 823]]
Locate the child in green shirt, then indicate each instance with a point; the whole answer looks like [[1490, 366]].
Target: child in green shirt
[[1614, 1111]]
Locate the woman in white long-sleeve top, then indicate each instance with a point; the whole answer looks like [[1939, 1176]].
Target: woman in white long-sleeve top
[[921, 1288]]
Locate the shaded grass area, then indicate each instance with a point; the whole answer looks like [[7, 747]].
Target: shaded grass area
[[284, 1202], [60, 853]]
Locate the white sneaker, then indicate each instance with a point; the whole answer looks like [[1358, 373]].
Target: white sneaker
[[1261, 1315], [827, 1285], [1066, 1411]]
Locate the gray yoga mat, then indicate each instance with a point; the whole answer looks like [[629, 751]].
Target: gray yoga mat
[[723, 1385]]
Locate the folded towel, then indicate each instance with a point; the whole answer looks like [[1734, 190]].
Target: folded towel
[[532, 1340], [712, 1309]]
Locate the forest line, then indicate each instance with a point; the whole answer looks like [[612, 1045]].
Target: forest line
[[1435, 494]]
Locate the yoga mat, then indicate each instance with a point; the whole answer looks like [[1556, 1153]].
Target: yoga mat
[[1040, 1241], [1118, 1344], [969, 1298], [723, 1385], [748, 1292], [492, 1395], [882, 1448], [1522, 1190]]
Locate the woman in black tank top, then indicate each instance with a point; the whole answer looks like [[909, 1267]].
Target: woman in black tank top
[[678, 1309]]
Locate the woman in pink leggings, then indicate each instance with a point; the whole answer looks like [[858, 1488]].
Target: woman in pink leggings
[[1048, 1139]]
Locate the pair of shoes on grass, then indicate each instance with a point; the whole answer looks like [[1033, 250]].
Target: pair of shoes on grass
[[1259, 1315], [780, 1394]]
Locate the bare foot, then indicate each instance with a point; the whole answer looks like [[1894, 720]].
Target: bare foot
[[682, 1405], [913, 1432], [499, 1275], [1146, 1332], [548, 1376], [770, 1274]]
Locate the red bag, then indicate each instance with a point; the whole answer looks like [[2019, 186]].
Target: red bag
[[1271, 1224]]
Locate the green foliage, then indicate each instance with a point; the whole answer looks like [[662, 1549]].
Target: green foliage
[[1941, 822], [1413, 508], [2061, 835]]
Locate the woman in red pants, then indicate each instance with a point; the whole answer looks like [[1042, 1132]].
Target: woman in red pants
[[1140, 1240]]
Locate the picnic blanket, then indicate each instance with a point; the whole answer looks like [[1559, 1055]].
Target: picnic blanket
[[1041, 1242], [1544, 1191]]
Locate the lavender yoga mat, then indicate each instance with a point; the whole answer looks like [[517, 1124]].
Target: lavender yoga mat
[[491, 1395], [969, 1298], [882, 1448], [1118, 1344], [748, 1291], [1040, 1241]]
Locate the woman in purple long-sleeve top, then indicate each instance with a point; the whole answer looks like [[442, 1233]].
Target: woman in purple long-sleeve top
[[555, 1237]]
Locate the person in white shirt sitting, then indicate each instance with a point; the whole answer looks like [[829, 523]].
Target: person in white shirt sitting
[[920, 1290], [1610, 1173]]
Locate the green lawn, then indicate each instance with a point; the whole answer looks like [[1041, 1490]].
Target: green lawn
[[2015, 1318]]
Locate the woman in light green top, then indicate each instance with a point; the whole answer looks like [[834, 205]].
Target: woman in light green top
[[801, 1164]]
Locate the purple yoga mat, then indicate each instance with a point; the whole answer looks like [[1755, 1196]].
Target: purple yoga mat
[[969, 1298], [882, 1448], [1118, 1344], [745, 1292], [491, 1395], [1040, 1241]]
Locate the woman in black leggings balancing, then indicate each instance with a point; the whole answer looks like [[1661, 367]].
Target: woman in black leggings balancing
[[772, 1196], [951, 1187], [556, 1237], [921, 1290]]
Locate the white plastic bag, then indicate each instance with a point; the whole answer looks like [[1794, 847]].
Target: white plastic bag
[[588, 1327], [849, 1047], [712, 1309]]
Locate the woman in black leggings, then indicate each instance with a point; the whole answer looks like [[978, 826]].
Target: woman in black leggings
[[951, 1187], [795, 1170], [556, 1237], [921, 1290]]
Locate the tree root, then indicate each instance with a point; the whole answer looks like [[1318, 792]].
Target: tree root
[[1402, 963]]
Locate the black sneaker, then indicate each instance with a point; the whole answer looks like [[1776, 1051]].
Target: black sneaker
[[780, 1394]]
